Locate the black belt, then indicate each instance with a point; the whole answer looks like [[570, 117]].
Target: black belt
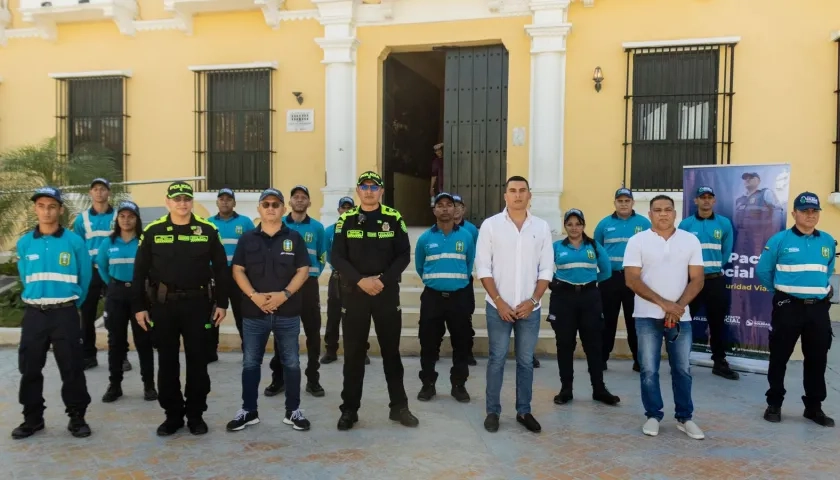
[[570, 287], [710, 276], [183, 294], [441, 293], [52, 306], [805, 301]]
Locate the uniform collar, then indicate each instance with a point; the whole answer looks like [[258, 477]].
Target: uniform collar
[[169, 220], [58, 233], [283, 230], [632, 214], [110, 209], [698, 217], [290, 220], [567, 243], [232, 216], [800, 234], [435, 228]]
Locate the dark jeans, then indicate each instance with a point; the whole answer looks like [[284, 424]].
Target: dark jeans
[[188, 318], [39, 330], [387, 320], [88, 310], [118, 307], [715, 298], [439, 311], [571, 312], [311, 318], [791, 319], [652, 332], [614, 295], [255, 333]]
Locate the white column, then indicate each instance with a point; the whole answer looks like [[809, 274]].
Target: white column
[[548, 92], [339, 44]]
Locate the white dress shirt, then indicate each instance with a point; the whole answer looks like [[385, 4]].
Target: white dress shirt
[[515, 259], [664, 266]]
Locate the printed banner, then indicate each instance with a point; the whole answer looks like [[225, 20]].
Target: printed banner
[[754, 198]]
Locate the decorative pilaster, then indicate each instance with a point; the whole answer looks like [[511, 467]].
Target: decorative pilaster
[[339, 44], [548, 34]]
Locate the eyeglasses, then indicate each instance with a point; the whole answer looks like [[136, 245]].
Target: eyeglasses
[[182, 199], [367, 186], [274, 205]]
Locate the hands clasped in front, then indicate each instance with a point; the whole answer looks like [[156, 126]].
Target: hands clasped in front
[[509, 314], [371, 285], [673, 312], [269, 302]]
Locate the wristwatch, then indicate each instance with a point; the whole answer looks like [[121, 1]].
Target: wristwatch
[[533, 301], [287, 294]]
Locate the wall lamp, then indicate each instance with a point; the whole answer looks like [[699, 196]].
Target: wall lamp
[[299, 96], [598, 77]]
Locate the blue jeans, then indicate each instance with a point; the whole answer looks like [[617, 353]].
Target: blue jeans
[[526, 331], [651, 332], [255, 333]]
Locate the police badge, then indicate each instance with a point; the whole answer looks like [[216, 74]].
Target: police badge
[[386, 227], [196, 230]]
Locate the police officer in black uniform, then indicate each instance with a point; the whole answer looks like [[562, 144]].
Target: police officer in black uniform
[[370, 251], [172, 273]]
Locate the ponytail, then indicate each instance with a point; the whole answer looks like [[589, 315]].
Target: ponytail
[[587, 240]]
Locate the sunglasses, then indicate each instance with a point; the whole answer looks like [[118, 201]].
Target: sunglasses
[[182, 199], [372, 188], [274, 205]]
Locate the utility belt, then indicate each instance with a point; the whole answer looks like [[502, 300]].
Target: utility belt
[[52, 306], [162, 293], [444, 294], [119, 283], [803, 301], [710, 276], [561, 286]]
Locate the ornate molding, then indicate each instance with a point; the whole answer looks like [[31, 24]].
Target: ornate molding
[[179, 22], [46, 19], [338, 50]]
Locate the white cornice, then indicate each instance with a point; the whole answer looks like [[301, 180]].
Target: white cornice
[[684, 42], [94, 73], [233, 66]]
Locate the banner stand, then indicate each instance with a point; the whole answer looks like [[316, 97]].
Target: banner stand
[[749, 365]]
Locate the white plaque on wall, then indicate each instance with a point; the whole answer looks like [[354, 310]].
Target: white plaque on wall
[[300, 120]]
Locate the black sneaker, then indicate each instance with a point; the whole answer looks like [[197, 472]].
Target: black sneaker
[[347, 420], [459, 392], [565, 396], [296, 420], [471, 360], [243, 419], [773, 414], [427, 393], [536, 362], [604, 396], [78, 427], [491, 423], [149, 392], [404, 416], [367, 360], [529, 422], [315, 389], [27, 429], [113, 393], [818, 416], [197, 426], [328, 357], [274, 389], [170, 426], [636, 367], [721, 369], [90, 363], [126, 366]]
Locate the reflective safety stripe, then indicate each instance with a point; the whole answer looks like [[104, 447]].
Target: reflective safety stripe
[[52, 277], [312, 251], [230, 241], [230, 258], [430, 276], [616, 259], [89, 233], [806, 267], [615, 240], [567, 266], [802, 290], [711, 263], [453, 256], [711, 246], [314, 270], [121, 261], [49, 301], [93, 252]]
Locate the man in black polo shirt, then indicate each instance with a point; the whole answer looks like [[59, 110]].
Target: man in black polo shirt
[[270, 266]]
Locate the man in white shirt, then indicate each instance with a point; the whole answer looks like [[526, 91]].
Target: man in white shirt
[[664, 268], [515, 262]]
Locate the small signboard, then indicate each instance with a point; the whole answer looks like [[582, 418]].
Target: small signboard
[[300, 120]]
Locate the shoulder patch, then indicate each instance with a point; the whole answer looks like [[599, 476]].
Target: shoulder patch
[[155, 222]]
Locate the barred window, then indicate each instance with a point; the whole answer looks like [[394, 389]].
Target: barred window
[[234, 128], [91, 111], [837, 136], [678, 112]]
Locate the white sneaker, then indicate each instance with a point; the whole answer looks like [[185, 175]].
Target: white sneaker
[[651, 427], [691, 429]]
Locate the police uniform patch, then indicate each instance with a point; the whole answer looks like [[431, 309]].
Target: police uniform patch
[[196, 230], [825, 252], [287, 245], [590, 254], [718, 234], [64, 259], [238, 229], [637, 229], [752, 199], [307, 237], [402, 225], [459, 246], [386, 227]]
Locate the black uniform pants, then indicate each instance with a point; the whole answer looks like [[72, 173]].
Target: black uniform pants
[[387, 320], [89, 307], [715, 298], [439, 311], [576, 311], [39, 330], [188, 318], [472, 310], [615, 294], [331, 333], [310, 316], [791, 319], [118, 308]]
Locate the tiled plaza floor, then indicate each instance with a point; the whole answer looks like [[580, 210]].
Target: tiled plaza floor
[[580, 440]]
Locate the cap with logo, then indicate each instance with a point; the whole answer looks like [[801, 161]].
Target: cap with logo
[[623, 192], [750, 175], [440, 196], [49, 192], [179, 188], [100, 181], [128, 205], [226, 191], [345, 200], [372, 176], [438, 146], [457, 199], [703, 191], [299, 188], [807, 201], [573, 212], [269, 192]]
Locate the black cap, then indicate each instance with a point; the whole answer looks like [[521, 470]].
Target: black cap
[[623, 192], [372, 176], [440, 196], [100, 181], [128, 205], [345, 200], [226, 191], [179, 188], [301, 188], [750, 175], [807, 201], [703, 191], [573, 212], [49, 192], [458, 199], [268, 192]]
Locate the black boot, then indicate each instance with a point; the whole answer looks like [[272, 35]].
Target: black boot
[[347, 420], [721, 369], [459, 392], [315, 389], [818, 416], [197, 426], [149, 392], [113, 393], [404, 416], [126, 366], [77, 426], [274, 389], [565, 396], [27, 429], [604, 396], [328, 357], [471, 360], [170, 426], [773, 414], [427, 392]]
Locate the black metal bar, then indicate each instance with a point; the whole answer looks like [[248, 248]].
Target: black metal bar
[[731, 99], [837, 138], [626, 119]]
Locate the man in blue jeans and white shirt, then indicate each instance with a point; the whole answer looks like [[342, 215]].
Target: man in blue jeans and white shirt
[[270, 265], [664, 268], [515, 262]]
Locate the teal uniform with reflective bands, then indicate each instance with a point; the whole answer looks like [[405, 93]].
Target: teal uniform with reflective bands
[[470, 227], [94, 228], [581, 265], [329, 233], [797, 264], [445, 261], [116, 259], [313, 234], [613, 232], [54, 268], [716, 238], [230, 229]]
